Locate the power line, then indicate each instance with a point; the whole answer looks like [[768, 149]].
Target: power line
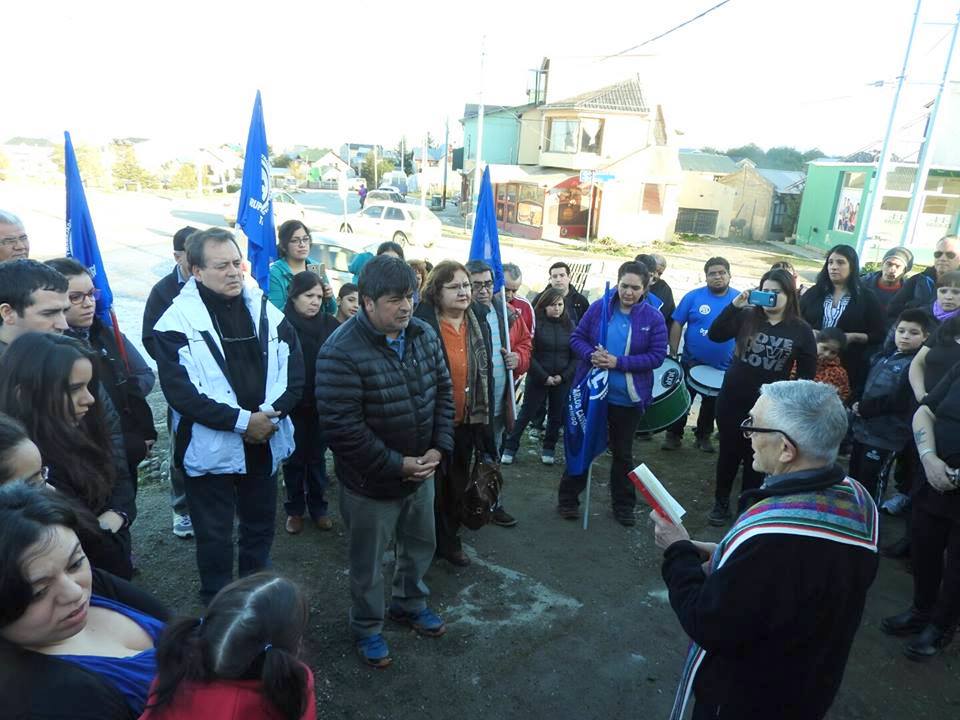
[[664, 34]]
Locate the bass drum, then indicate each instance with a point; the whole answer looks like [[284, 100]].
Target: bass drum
[[671, 398]]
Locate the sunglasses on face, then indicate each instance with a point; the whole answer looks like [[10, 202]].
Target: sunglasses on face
[[748, 429], [949, 253]]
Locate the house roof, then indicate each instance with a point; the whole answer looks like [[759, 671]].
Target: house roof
[[624, 96], [545, 177], [471, 110], [436, 154], [694, 161], [789, 182]]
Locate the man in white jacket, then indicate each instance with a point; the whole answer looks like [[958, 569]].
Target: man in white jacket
[[231, 370]]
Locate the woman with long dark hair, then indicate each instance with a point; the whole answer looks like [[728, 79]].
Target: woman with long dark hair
[[305, 472], [240, 660], [75, 642], [48, 382], [21, 461], [548, 380], [293, 251], [770, 340], [636, 345], [839, 299]]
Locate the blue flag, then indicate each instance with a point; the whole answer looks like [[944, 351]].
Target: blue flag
[[585, 435], [486, 243], [255, 214], [81, 237]]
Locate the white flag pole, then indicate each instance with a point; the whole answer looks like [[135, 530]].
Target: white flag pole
[[586, 504]]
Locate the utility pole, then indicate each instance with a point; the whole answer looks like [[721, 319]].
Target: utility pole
[[926, 156], [423, 176], [475, 193], [446, 159], [876, 186], [376, 181]]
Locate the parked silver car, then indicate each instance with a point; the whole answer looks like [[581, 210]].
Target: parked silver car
[[390, 221]]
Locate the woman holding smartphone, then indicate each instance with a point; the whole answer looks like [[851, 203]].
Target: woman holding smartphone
[[770, 338]]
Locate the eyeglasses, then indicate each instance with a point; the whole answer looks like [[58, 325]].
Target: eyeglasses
[[462, 287], [485, 285], [216, 324], [937, 254], [77, 298], [38, 478], [11, 241], [748, 429], [301, 240]]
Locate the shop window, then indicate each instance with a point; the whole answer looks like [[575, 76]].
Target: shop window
[[652, 202], [529, 213], [901, 179], [951, 185], [572, 207], [562, 135]]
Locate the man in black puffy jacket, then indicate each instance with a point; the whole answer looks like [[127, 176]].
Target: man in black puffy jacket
[[385, 401]]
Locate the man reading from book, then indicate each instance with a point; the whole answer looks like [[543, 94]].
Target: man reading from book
[[772, 609]]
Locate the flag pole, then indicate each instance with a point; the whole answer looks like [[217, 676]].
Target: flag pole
[[510, 382], [586, 503]]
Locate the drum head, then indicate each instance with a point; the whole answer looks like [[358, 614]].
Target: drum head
[[707, 376], [666, 379]]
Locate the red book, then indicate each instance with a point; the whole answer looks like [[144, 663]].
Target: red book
[[656, 494]]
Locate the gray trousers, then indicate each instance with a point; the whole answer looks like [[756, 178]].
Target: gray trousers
[[178, 493], [371, 524]]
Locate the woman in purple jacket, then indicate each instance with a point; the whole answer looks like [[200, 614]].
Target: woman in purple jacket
[[636, 344]]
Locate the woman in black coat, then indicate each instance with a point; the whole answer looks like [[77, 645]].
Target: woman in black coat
[[548, 379], [305, 472], [839, 299]]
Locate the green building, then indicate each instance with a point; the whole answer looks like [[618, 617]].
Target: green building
[[835, 192]]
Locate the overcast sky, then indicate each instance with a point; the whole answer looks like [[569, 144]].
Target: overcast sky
[[774, 72]]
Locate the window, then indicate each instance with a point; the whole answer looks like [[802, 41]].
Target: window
[[393, 213], [571, 135], [854, 179], [895, 203], [530, 213], [336, 257], [696, 222], [652, 202], [374, 211], [563, 135], [901, 179], [591, 134]]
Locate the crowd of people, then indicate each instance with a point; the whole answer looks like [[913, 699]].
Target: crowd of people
[[410, 378]]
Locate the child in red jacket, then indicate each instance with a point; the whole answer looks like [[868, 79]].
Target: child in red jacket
[[830, 343], [239, 660]]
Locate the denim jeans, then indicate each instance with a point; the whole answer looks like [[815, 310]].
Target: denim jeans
[[214, 499], [622, 425], [305, 472]]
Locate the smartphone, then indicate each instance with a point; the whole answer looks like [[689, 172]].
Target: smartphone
[[762, 298], [323, 273]]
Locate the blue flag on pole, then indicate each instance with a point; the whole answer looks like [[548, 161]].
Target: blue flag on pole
[[255, 214], [486, 243], [585, 435], [81, 237]]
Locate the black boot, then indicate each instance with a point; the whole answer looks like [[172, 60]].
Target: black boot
[[929, 643], [906, 623], [720, 515]]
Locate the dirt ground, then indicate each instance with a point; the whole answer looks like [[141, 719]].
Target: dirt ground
[[550, 621]]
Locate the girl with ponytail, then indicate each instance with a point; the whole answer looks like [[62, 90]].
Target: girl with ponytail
[[239, 660]]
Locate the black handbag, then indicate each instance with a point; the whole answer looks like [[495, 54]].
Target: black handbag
[[482, 494]]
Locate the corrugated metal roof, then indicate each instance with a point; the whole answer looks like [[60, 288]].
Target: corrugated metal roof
[[625, 96], [707, 162], [789, 182], [471, 110]]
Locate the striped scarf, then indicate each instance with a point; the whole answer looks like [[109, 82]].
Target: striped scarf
[[478, 392], [843, 513]]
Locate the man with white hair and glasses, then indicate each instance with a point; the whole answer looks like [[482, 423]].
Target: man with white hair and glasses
[[773, 608], [14, 242]]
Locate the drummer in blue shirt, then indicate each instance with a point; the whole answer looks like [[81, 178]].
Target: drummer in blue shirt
[[696, 311]]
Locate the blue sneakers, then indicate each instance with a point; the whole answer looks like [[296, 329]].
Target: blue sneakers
[[425, 622], [374, 651]]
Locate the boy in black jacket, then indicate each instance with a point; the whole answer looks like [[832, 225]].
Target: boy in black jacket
[[881, 425]]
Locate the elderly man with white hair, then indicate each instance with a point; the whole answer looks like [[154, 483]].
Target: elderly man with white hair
[[14, 242], [773, 608]]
